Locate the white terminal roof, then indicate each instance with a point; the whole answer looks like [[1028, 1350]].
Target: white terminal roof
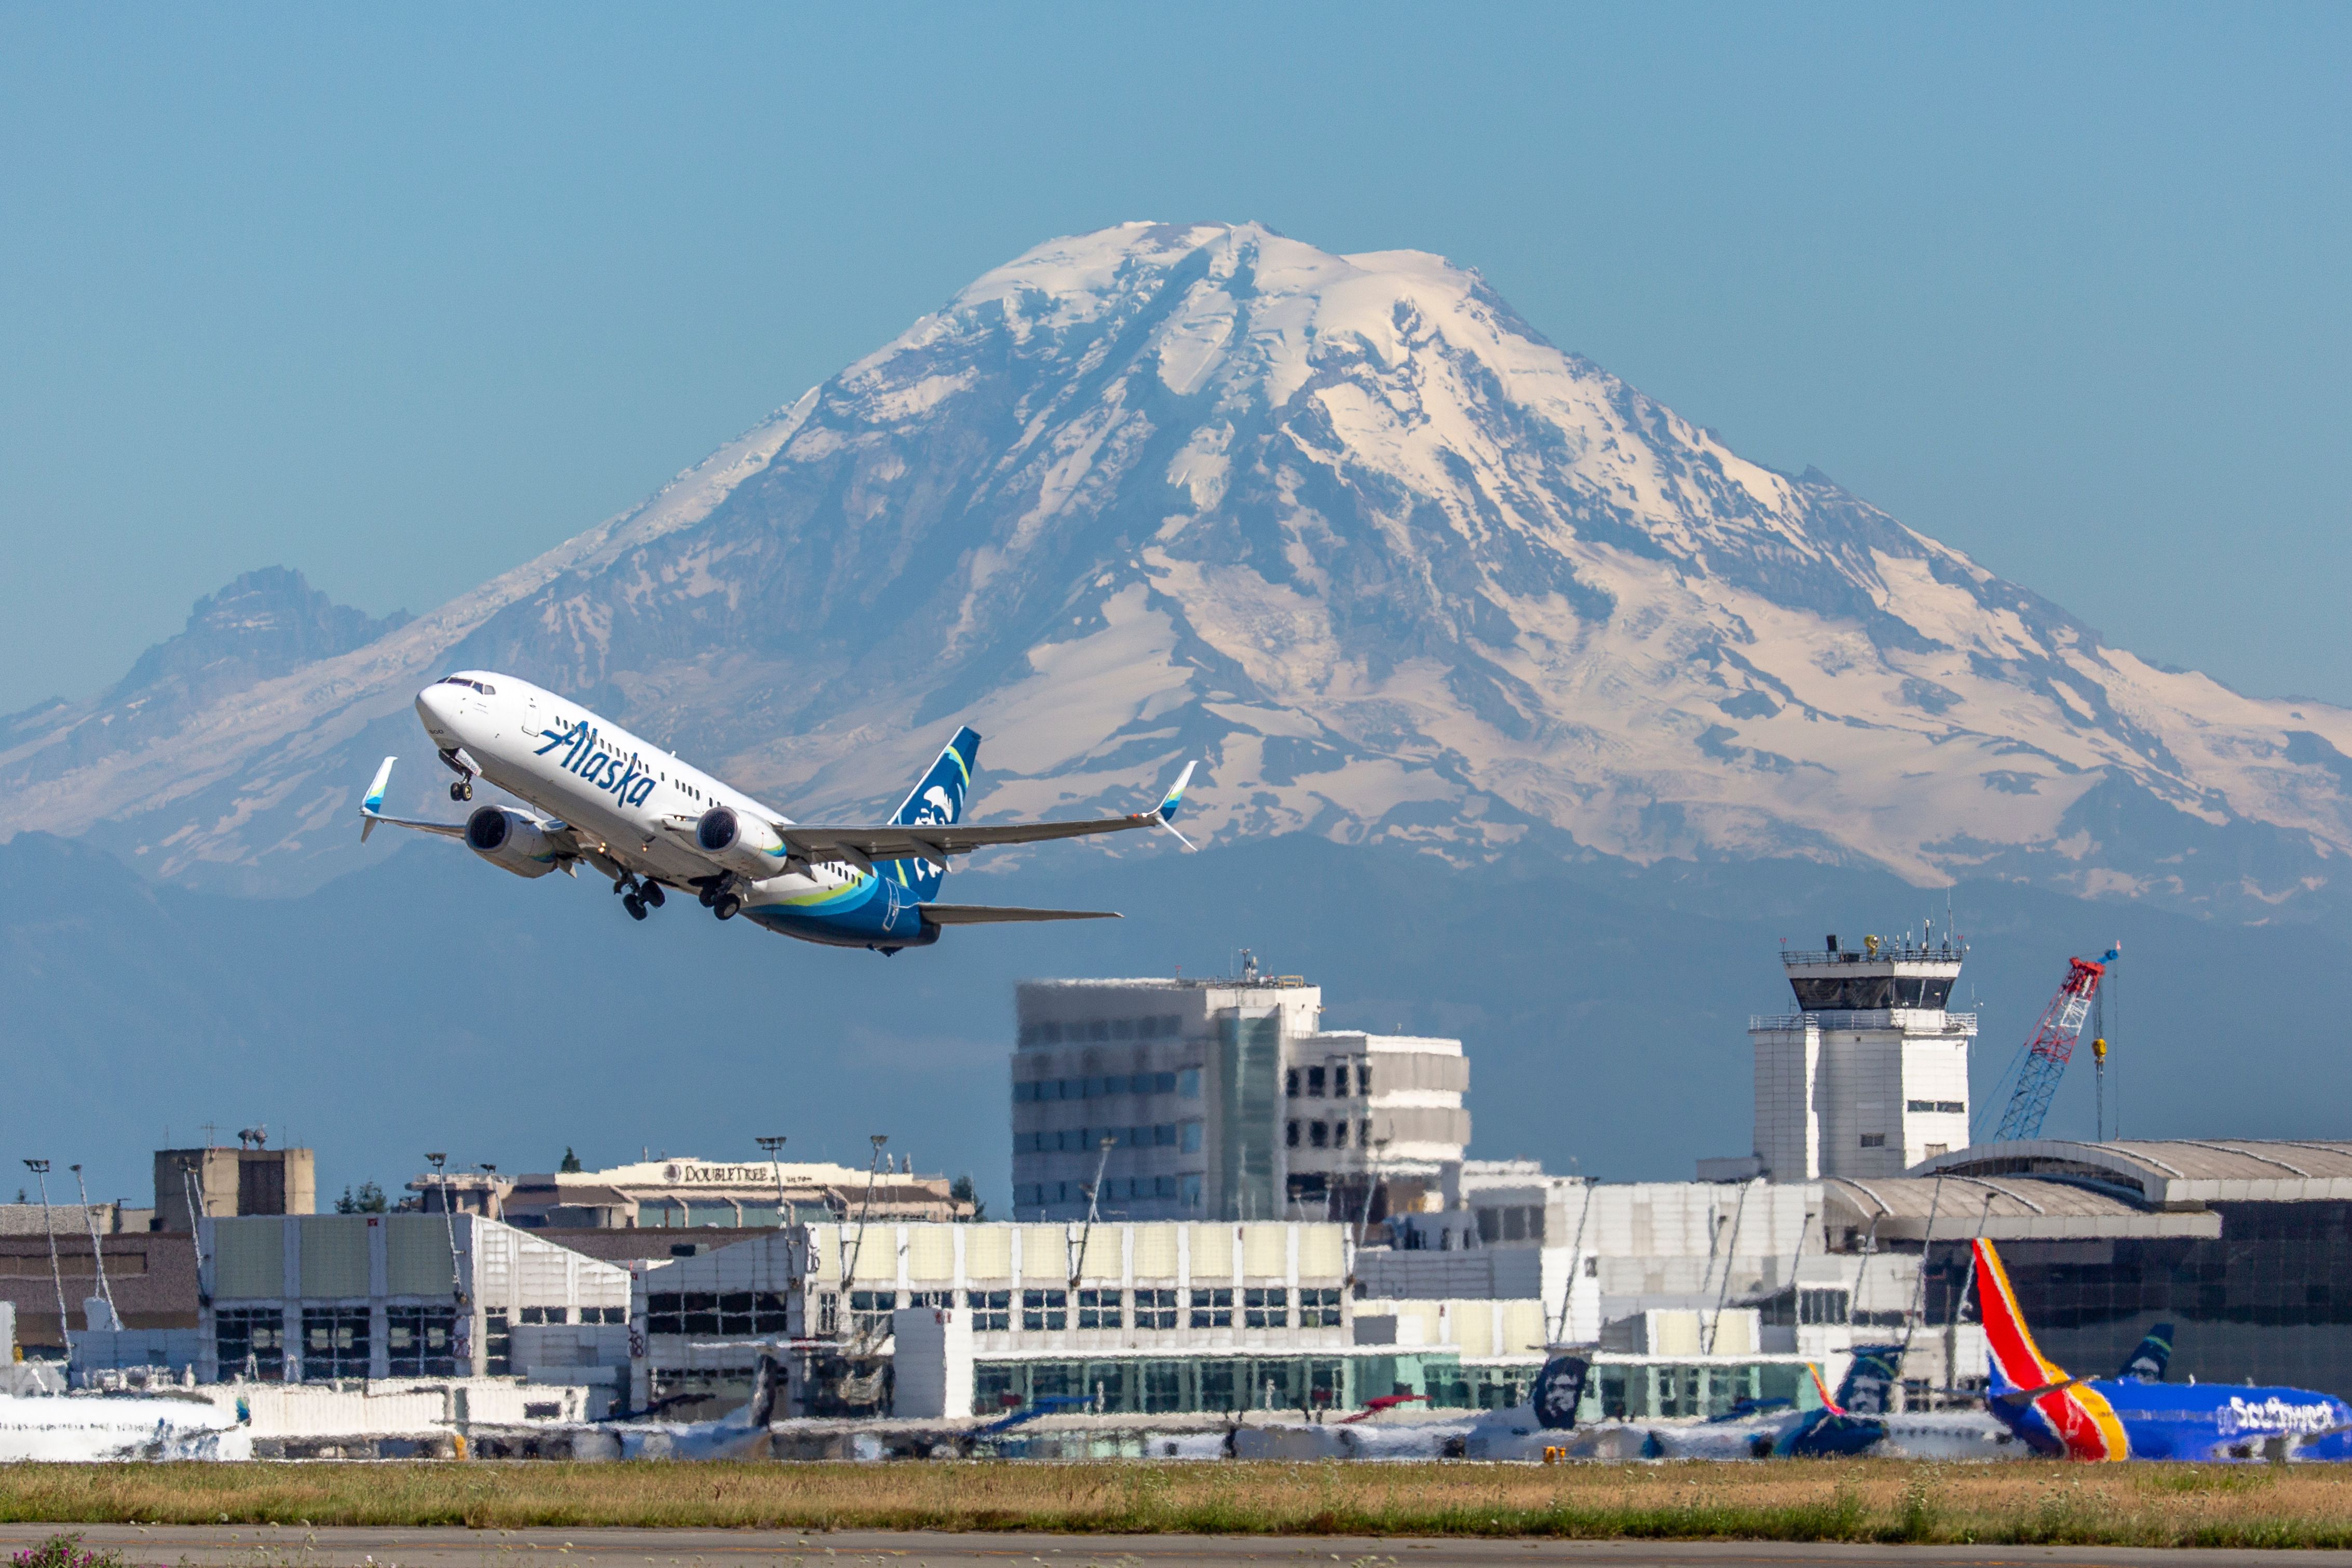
[[2170, 1173], [2003, 1208]]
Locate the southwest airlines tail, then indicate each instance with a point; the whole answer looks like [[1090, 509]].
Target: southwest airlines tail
[[937, 797], [2053, 1412]]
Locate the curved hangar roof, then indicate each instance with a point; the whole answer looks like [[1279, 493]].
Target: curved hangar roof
[[2003, 1207], [2167, 1173]]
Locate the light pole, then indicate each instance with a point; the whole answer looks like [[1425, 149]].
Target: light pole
[[57, 1276], [873, 1163], [448, 1222], [97, 1253], [775, 1149]]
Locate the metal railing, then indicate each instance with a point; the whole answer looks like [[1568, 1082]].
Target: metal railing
[[1881, 1018], [1886, 955]]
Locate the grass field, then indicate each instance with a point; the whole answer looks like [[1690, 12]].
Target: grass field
[[2018, 1503]]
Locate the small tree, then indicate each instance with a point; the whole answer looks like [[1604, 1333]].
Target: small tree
[[369, 1199], [571, 1166], [962, 1191], [347, 1204]]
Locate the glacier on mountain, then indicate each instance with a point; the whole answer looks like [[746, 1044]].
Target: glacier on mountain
[[1345, 526]]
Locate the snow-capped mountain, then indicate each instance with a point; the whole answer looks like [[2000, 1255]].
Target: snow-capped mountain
[[1345, 526]]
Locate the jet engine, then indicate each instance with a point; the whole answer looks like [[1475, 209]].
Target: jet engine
[[745, 845], [507, 838]]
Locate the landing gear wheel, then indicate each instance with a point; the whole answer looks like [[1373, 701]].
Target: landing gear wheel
[[463, 789], [634, 905], [710, 895], [727, 906], [652, 894]]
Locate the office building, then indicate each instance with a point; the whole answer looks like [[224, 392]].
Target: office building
[[689, 1193], [1223, 1100], [328, 1297]]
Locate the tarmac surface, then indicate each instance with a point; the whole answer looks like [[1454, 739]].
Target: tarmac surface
[[262, 1546]]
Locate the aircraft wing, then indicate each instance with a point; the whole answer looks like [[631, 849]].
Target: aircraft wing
[[992, 914], [935, 841]]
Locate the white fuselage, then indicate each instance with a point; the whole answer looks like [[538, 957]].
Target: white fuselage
[[629, 798]]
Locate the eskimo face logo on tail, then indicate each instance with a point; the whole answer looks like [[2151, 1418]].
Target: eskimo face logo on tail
[[620, 777]]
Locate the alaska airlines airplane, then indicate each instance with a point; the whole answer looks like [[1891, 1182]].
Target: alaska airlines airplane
[[640, 816], [2137, 1416]]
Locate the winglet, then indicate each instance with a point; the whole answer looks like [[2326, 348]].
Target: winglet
[[1175, 796], [372, 801], [1165, 813]]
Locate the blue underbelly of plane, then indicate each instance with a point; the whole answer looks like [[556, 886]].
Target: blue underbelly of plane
[[873, 914]]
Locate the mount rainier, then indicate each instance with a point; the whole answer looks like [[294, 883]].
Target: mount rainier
[[1347, 527]]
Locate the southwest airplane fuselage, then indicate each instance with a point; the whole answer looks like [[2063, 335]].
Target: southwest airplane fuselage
[[2141, 1418]]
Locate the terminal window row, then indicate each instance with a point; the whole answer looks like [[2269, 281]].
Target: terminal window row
[[563, 1315], [1314, 1081], [1185, 1187], [1327, 1135], [1164, 1136], [419, 1341], [1950, 1107], [1150, 1309], [1186, 1083], [1161, 1026]]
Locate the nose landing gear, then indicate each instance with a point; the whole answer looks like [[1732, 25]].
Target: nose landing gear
[[463, 789]]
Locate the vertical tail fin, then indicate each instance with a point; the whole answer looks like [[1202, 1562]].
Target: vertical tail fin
[[2017, 1362], [2153, 1356], [937, 797], [1868, 1386]]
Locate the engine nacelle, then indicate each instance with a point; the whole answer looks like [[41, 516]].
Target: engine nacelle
[[745, 845], [508, 839]]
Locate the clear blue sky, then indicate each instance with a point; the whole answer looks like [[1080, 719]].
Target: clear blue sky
[[401, 295]]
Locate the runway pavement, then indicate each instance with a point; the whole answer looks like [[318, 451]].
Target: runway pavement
[[252, 1546]]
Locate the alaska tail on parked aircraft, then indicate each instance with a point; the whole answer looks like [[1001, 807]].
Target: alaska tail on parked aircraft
[[648, 821], [2136, 1417]]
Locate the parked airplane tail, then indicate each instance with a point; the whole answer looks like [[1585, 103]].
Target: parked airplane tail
[[937, 797], [1868, 1386], [2154, 1355], [2054, 1412]]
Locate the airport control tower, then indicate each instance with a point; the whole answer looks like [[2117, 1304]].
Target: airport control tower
[[1870, 1075]]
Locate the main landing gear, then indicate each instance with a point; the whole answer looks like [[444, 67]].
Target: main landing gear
[[719, 898], [636, 896]]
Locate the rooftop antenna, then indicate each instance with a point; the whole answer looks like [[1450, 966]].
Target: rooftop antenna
[[97, 1253], [57, 1276]]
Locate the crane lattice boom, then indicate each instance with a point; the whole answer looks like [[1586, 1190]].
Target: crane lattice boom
[[2047, 1053]]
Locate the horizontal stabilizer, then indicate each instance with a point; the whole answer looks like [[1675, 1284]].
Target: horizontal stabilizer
[[991, 914]]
